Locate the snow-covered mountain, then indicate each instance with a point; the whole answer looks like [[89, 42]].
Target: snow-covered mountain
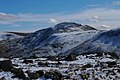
[[63, 39], [8, 36], [107, 41], [52, 41]]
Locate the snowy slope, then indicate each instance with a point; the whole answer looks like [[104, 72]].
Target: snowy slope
[[108, 41], [58, 39], [59, 43], [52, 41], [8, 36]]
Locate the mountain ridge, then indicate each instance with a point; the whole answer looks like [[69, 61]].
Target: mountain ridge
[[107, 41], [51, 41], [62, 39]]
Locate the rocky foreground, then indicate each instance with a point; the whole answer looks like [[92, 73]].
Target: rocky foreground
[[83, 67]]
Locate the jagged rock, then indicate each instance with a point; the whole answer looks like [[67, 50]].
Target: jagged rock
[[6, 65], [18, 72]]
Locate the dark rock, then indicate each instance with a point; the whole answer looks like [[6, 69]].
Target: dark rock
[[112, 64], [3, 78], [70, 58], [66, 77], [18, 73], [16, 65], [6, 65], [57, 75], [54, 75], [57, 45], [111, 72], [87, 66], [97, 79], [59, 63], [34, 75], [118, 71], [42, 64], [27, 61], [41, 73], [48, 75], [52, 58]]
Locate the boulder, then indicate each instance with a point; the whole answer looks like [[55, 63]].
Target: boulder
[[70, 58], [48, 75], [6, 65], [35, 75], [41, 73], [57, 75], [18, 72]]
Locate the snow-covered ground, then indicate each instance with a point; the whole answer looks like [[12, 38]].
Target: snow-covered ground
[[89, 67]]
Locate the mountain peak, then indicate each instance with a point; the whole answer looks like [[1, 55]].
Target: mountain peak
[[71, 26]]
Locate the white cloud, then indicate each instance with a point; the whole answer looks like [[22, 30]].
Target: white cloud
[[54, 21], [94, 19], [4, 16], [116, 3], [105, 26]]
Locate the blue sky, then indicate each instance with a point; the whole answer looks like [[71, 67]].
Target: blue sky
[[31, 15]]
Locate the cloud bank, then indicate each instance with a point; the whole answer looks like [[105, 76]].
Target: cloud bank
[[4, 16], [95, 17]]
